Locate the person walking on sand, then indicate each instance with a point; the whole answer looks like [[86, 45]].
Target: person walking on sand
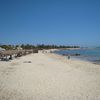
[[68, 57]]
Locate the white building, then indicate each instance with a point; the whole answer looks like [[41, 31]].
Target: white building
[[19, 48], [2, 49]]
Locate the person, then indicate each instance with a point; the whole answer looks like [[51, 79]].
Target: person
[[68, 56], [10, 57]]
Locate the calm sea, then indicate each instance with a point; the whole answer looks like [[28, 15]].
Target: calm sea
[[90, 54]]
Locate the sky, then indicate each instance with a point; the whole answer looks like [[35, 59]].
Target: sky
[[61, 22]]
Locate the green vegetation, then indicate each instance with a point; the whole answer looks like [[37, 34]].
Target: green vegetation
[[42, 46], [7, 47]]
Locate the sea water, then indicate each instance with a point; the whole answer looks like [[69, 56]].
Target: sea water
[[87, 54]]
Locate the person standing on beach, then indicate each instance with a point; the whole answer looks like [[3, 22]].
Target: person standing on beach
[[68, 57]]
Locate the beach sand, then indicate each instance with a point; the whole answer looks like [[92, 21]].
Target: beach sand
[[49, 77]]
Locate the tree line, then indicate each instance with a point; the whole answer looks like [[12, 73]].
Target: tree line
[[39, 46]]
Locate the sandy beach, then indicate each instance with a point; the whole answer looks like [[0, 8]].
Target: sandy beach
[[49, 77]]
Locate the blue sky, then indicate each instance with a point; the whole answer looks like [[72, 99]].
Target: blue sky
[[68, 22]]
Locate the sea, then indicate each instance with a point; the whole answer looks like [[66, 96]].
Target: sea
[[86, 54]]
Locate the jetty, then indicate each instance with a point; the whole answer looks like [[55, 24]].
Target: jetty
[[76, 54]]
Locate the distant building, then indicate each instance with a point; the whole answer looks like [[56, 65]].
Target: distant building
[[19, 48]]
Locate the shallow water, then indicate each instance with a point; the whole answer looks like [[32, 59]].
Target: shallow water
[[90, 54]]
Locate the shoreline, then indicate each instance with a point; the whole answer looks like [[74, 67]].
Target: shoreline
[[80, 58], [65, 58], [52, 51]]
